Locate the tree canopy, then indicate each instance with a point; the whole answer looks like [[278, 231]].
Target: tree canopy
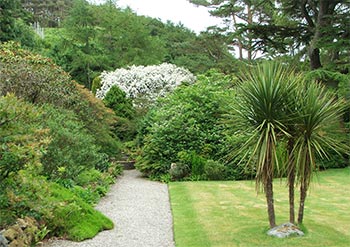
[[316, 29]]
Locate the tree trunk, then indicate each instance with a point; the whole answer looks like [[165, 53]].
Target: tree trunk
[[315, 60], [267, 178], [291, 181], [239, 42], [250, 21], [304, 184], [323, 20], [240, 49], [303, 190], [291, 198], [270, 202]]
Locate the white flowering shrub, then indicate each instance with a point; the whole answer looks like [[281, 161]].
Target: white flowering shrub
[[144, 84]]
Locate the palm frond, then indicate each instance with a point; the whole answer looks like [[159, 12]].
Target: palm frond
[[317, 109], [264, 99]]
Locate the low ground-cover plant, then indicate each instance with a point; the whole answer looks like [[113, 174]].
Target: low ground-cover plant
[[57, 208]]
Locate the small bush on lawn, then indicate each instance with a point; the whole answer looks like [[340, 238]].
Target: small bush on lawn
[[194, 161], [213, 170], [179, 171]]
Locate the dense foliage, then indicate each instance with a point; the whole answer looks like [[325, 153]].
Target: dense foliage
[[57, 140], [189, 124], [125, 126], [72, 149], [23, 139], [38, 80], [145, 84], [60, 211], [52, 130], [314, 29], [94, 38]]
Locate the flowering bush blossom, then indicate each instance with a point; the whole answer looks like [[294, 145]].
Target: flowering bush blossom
[[144, 84]]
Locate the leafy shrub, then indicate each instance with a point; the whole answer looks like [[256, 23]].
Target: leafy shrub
[[95, 180], [86, 194], [187, 120], [125, 126], [38, 80], [330, 78], [194, 161], [179, 171], [115, 169], [145, 84], [125, 129], [33, 78], [344, 92], [22, 140], [96, 84], [72, 149], [341, 133], [214, 170], [121, 105], [98, 120]]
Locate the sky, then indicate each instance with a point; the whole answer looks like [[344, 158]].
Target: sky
[[177, 11]]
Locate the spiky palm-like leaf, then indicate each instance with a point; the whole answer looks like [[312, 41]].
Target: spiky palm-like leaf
[[317, 109], [263, 105], [264, 101]]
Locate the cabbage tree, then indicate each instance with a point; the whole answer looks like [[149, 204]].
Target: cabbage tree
[[317, 110], [263, 106]]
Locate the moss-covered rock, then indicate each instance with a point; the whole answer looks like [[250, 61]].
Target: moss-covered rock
[[22, 234]]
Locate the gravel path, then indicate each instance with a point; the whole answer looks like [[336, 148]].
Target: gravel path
[[140, 210]]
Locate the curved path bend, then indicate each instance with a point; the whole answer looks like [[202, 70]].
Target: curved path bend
[[140, 210]]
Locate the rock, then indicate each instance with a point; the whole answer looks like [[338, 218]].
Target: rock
[[17, 243], [3, 241], [10, 234], [30, 221], [22, 223], [25, 239], [285, 230]]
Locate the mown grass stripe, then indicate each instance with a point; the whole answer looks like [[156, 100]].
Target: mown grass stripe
[[187, 229]]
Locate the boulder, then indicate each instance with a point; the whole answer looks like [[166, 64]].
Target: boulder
[[3, 241], [22, 223], [17, 243], [285, 230], [10, 234]]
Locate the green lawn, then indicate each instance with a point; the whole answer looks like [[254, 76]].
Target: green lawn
[[232, 214]]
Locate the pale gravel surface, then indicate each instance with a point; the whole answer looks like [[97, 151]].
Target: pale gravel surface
[[141, 213]]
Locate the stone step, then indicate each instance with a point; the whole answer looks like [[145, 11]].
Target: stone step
[[127, 164]]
